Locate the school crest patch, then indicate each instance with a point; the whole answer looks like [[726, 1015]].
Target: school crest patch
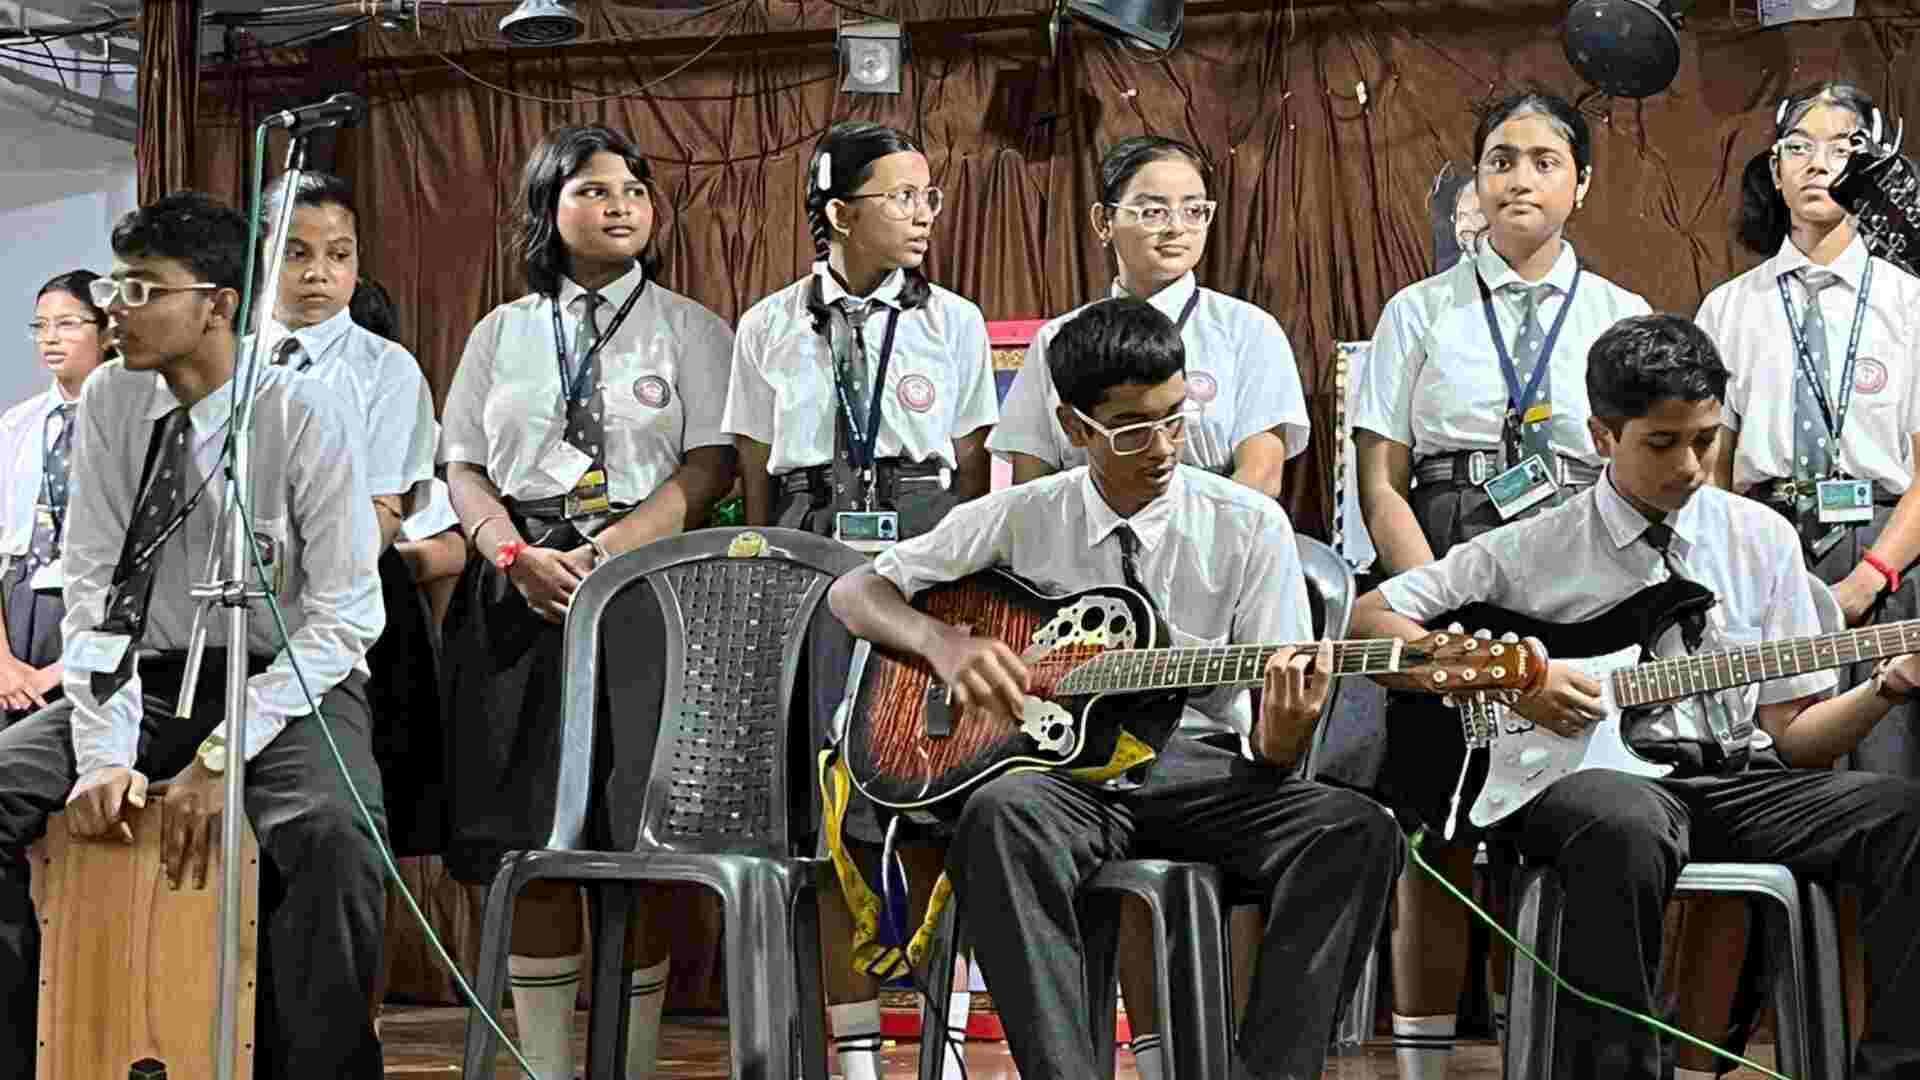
[[1869, 376], [652, 391], [916, 393], [1201, 387]]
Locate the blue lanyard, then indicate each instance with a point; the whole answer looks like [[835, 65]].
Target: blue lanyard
[[864, 440], [1520, 399], [1834, 418], [570, 385]]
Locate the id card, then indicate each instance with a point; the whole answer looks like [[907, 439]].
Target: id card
[[1845, 501], [1525, 485], [589, 496], [93, 651], [867, 530]]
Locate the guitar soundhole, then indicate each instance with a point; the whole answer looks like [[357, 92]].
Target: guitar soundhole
[[1117, 625], [1089, 621]]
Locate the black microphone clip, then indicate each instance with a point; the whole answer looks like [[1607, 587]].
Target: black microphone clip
[[342, 110]]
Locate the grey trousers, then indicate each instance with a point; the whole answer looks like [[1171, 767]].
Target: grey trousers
[[323, 901]]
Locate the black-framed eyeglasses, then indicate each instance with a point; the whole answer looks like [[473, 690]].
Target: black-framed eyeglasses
[[1135, 438], [900, 203]]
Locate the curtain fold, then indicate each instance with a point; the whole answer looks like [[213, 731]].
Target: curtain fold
[[167, 89]]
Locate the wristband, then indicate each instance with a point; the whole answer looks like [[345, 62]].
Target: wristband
[[1888, 572], [483, 523], [509, 552]]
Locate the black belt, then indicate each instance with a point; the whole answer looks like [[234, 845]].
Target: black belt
[[1464, 468], [1779, 493], [817, 480], [550, 512]]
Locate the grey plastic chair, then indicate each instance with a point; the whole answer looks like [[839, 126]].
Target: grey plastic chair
[[1186, 903], [1807, 1044], [722, 784]]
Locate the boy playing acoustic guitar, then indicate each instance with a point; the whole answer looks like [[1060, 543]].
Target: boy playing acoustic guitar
[[1754, 786], [1220, 562]]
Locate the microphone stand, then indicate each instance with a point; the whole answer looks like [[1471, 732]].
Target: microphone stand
[[232, 593]]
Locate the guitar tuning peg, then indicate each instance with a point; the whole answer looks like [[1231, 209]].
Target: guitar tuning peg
[[1448, 701], [1456, 628], [1510, 637], [1483, 634]]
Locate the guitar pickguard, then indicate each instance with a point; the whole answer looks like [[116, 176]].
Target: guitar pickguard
[[1097, 621]]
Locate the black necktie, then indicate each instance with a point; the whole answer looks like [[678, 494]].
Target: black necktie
[[154, 518], [586, 417], [283, 353], [1130, 559], [56, 440]]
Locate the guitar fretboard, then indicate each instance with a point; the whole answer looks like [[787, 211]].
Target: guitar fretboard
[[1133, 670], [1670, 680]]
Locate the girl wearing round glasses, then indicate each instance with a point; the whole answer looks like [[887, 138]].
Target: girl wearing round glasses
[[1822, 419], [862, 393], [1475, 371], [1242, 381], [860, 402], [583, 422], [66, 332]]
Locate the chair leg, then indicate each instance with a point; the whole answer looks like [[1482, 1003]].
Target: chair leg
[[1828, 1038], [810, 1012], [611, 904], [490, 982], [1531, 994], [763, 1009], [933, 1009]]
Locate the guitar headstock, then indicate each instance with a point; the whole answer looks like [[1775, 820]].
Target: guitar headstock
[[1452, 661]]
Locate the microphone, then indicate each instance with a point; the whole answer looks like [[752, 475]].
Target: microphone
[[342, 110]]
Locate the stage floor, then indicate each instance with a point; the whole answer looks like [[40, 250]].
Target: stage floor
[[426, 1042]]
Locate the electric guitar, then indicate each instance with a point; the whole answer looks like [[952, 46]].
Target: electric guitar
[[1099, 659], [1523, 760]]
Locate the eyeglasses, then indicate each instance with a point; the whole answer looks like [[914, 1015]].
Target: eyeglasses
[[1134, 438], [135, 292], [900, 205], [66, 326], [1156, 218], [1799, 150]]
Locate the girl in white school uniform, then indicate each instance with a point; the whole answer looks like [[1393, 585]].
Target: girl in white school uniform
[[1824, 344], [1476, 370], [863, 339], [1153, 213], [65, 331], [582, 422]]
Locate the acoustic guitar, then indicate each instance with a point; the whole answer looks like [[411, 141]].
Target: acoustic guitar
[[1099, 659]]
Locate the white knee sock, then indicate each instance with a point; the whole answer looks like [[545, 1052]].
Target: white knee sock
[[544, 989], [1423, 1045], [856, 1038], [1149, 1056], [646, 996], [959, 1008]]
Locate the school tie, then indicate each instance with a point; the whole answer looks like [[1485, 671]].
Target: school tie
[[1535, 437], [586, 413], [153, 516], [1130, 559], [1812, 453], [56, 440], [1660, 538], [1730, 731], [857, 374], [284, 352]]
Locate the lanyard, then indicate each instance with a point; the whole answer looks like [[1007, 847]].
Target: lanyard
[[1517, 398], [866, 439], [1834, 418], [570, 386], [1180, 324]]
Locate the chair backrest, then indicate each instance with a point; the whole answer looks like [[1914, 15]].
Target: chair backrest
[[1330, 587], [733, 609]]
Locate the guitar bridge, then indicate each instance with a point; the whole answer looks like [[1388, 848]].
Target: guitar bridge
[[938, 713]]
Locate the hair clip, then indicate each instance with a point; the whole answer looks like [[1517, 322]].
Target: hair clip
[[1876, 127], [823, 171], [1780, 114]]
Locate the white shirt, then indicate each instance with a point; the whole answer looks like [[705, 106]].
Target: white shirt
[[434, 516], [1745, 319], [23, 452], [939, 384], [308, 499], [380, 383], [663, 379], [1218, 558], [1583, 557], [1433, 381], [1240, 371]]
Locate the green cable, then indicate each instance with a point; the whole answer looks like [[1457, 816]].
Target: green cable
[[280, 623], [1413, 851]]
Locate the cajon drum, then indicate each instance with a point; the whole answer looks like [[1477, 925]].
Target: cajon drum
[[128, 966]]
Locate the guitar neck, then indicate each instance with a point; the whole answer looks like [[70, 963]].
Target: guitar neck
[[1125, 671], [1670, 680]]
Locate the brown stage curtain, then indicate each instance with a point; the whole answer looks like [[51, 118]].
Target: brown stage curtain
[[168, 93]]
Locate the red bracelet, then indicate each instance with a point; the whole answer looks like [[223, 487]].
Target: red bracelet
[[508, 552], [1888, 572]]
